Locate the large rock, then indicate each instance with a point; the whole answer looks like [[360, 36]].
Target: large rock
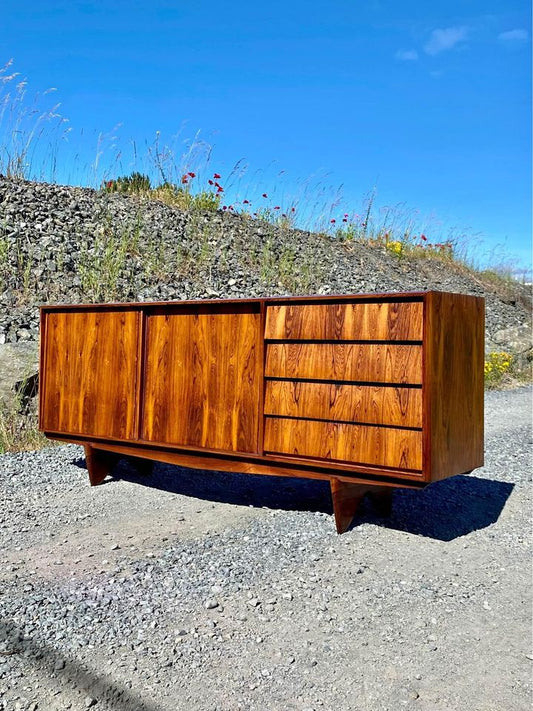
[[19, 366], [518, 339]]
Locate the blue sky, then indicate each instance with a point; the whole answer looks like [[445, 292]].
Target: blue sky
[[428, 104]]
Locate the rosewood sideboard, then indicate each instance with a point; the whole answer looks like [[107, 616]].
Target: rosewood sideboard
[[369, 392]]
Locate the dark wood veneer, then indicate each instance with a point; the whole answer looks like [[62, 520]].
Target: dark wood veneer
[[368, 392]]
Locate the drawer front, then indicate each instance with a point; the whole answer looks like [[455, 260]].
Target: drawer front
[[365, 362], [347, 403], [375, 321], [356, 444]]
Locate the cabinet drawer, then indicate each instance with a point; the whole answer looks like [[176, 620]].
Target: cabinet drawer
[[374, 321], [356, 362], [358, 444], [348, 403]]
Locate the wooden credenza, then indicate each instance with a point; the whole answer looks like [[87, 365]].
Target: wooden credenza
[[369, 392]]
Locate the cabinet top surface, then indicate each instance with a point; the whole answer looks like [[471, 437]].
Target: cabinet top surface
[[267, 300]]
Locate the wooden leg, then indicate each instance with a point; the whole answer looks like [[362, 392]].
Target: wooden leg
[[381, 497], [346, 500], [99, 464]]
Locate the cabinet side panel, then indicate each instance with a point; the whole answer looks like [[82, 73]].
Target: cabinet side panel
[[90, 373], [203, 378], [453, 384]]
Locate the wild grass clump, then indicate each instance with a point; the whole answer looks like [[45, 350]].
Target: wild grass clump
[[19, 433], [18, 421], [180, 196], [30, 129]]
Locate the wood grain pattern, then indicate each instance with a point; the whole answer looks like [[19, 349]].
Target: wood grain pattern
[[203, 378], [454, 390], [379, 446], [348, 403], [365, 362], [89, 383], [381, 320]]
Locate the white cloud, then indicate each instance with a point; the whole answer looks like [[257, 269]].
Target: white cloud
[[514, 36], [448, 38], [407, 55]]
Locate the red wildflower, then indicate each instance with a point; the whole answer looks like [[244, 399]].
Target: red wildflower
[[345, 214], [210, 182], [277, 207], [192, 175], [184, 180], [230, 207], [424, 238], [220, 190], [293, 209], [245, 202], [332, 221], [224, 207], [344, 219], [216, 176], [265, 195]]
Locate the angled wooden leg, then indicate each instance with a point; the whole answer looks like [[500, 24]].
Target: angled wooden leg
[[346, 500], [99, 464], [381, 497]]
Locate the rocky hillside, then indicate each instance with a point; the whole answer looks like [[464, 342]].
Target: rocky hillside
[[66, 244]]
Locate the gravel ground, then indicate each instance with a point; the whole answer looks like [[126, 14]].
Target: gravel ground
[[213, 591]]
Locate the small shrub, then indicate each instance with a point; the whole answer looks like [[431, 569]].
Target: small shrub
[[395, 247], [134, 184], [497, 366]]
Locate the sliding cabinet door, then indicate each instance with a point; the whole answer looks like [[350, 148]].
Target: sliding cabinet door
[[89, 378], [203, 376]]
